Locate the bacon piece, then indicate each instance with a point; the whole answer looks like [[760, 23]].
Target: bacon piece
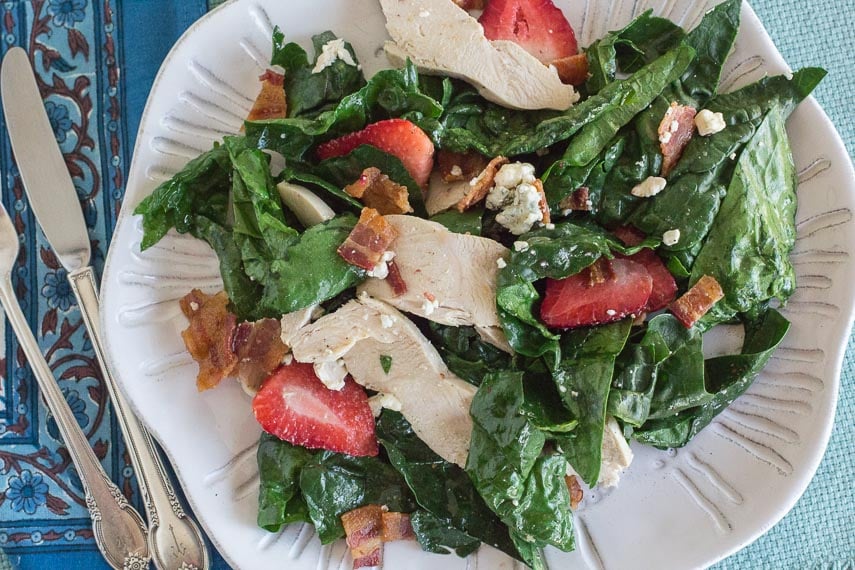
[[575, 489], [579, 200], [455, 166], [368, 241], [259, 350], [544, 206], [675, 132], [270, 103], [364, 530], [629, 235], [378, 191], [210, 336], [572, 70], [397, 526], [600, 271], [480, 185], [470, 4], [695, 303], [395, 279]]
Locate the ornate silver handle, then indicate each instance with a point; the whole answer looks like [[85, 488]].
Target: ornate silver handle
[[174, 538], [119, 531]]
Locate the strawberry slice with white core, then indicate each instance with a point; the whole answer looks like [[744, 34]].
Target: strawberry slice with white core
[[295, 406], [537, 26], [605, 292], [398, 137]]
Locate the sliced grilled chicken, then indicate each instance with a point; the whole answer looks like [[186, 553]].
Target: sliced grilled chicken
[[450, 277], [384, 351]]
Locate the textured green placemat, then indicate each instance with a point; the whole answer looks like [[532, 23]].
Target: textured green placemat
[[820, 531]]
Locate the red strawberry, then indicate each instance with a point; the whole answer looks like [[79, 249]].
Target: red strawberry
[[607, 291], [538, 26], [294, 405], [398, 137], [664, 286]]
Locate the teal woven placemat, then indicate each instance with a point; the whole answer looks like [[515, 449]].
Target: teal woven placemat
[[820, 531]]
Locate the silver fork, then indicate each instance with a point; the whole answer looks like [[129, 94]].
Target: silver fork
[[119, 531]]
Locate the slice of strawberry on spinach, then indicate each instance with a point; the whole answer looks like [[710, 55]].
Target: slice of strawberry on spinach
[[664, 285], [295, 406], [538, 26]]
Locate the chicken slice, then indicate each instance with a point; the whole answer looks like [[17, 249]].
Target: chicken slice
[[440, 37], [450, 277], [368, 334]]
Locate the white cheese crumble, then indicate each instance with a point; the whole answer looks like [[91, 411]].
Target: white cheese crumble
[[665, 137], [387, 321], [516, 196], [611, 312], [194, 306], [330, 52], [650, 186], [709, 123], [671, 237], [381, 270], [331, 373], [428, 306], [501, 263], [549, 226], [520, 245], [456, 170], [379, 401]]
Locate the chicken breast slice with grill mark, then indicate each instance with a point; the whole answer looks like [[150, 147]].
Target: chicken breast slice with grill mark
[[433, 399]]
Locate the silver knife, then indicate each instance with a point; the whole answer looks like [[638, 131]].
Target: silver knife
[[174, 538]]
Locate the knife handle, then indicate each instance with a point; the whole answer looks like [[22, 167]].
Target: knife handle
[[118, 529], [174, 538]]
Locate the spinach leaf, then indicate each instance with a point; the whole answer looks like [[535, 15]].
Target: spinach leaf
[[749, 244], [468, 222], [468, 122], [201, 188], [583, 378], [542, 405], [640, 42], [636, 93], [389, 93], [691, 200], [561, 179], [344, 170], [526, 490], [441, 488], [333, 484], [728, 377], [434, 535], [309, 93], [465, 353], [279, 467]]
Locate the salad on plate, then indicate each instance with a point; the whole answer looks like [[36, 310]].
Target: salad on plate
[[456, 290]]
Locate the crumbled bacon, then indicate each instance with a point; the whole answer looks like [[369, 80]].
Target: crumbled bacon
[[455, 166], [259, 350], [210, 335], [695, 303], [629, 235], [470, 4], [364, 530], [395, 279], [378, 191], [544, 206], [675, 132], [270, 103], [397, 526], [368, 241], [578, 200], [575, 490], [480, 186], [572, 70]]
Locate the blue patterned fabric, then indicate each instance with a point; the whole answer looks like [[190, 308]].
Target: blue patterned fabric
[[96, 60]]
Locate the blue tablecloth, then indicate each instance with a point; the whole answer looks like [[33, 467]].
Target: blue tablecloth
[[96, 60]]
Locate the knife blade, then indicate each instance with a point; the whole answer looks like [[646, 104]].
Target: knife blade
[[175, 540], [49, 187]]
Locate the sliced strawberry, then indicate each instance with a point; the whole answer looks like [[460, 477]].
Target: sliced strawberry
[[398, 137], [607, 291], [537, 26], [664, 286], [295, 406]]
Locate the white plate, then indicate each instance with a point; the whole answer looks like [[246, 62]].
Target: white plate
[[681, 509]]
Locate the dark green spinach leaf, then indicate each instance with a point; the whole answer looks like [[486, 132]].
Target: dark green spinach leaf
[[279, 467]]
